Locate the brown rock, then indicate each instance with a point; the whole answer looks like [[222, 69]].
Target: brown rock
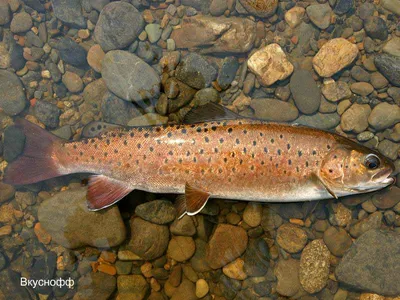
[[294, 16], [226, 244], [386, 198], [6, 192], [362, 88], [260, 8], [314, 266], [270, 64], [215, 34], [373, 221], [333, 56], [335, 90], [42, 234], [5, 230], [287, 274], [132, 287], [5, 58], [291, 238], [95, 57], [356, 118], [73, 82], [181, 248], [235, 270], [337, 240]]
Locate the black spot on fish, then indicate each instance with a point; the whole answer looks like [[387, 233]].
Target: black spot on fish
[[216, 150], [221, 140], [206, 139], [146, 135], [125, 142], [230, 130], [297, 169], [170, 153], [245, 131], [272, 141], [158, 129], [202, 171], [225, 159], [281, 136], [328, 147], [288, 146], [300, 153], [105, 154], [184, 131], [261, 134], [188, 153], [265, 149], [279, 152], [166, 160], [194, 159], [151, 149], [113, 134], [314, 152], [289, 162], [180, 160], [335, 156], [244, 150], [74, 146], [252, 168], [92, 141], [284, 172], [276, 165], [237, 141], [169, 134], [230, 179], [187, 171], [220, 170], [306, 164], [254, 143], [241, 161], [233, 170], [198, 129], [205, 129], [139, 146], [140, 129], [330, 171], [201, 151], [253, 155], [115, 150], [108, 141], [81, 153], [132, 134], [213, 128], [85, 141], [262, 162]]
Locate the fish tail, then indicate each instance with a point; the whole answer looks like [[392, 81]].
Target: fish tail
[[37, 161]]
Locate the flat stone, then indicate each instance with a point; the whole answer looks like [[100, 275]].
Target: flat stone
[[294, 16], [270, 64], [256, 258], [392, 5], [343, 6], [153, 32], [386, 198], [291, 238], [274, 110], [337, 240], [252, 214], [215, 34], [95, 286], [181, 248], [356, 118], [384, 115], [71, 52], [306, 94], [334, 56], [66, 218], [48, 113], [148, 240], [320, 121], [389, 149], [227, 72], [287, 274], [5, 12], [320, 15], [70, 12], [362, 88], [134, 287], [260, 8], [157, 211], [111, 30], [370, 265], [389, 66], [184, 226], [195, 71], [314, 266], [95, 57], [335, 90], [12, 95], [118, 111], [373, 221], [227, 243], [129, 77], [10, 286], [21, 22], [235, 270], [376, 28], [73, 82]]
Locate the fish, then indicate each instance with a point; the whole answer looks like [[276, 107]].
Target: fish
[[215, 153]]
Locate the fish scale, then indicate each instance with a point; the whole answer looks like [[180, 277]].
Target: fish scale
[[232, 159]]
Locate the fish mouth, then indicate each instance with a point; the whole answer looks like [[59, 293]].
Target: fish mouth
[[383, 177]]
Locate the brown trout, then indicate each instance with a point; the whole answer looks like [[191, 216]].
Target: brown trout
[[234, 158]]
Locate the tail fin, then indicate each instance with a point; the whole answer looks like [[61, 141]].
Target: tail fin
[[36, 163]]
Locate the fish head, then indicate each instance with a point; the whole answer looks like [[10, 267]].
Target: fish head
[[353, 169]]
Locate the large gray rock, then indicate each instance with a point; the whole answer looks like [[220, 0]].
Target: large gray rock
[[320, 121], [215, 34], [118, 26], [117, 111], [274, 110], [70, 12], [195, 71], [129, 77], [305, 91], [384, 115], [389, 66], [66, 218], [71, 52], [12, 96], [373, 263]]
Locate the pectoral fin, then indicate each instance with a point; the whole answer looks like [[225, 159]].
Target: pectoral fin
[[192, 202], [104, 192], [319, 180]]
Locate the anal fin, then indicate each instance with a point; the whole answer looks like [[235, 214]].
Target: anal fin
[[104, 191], [192, 202]]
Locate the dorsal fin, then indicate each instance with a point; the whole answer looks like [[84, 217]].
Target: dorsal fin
[[210, 112]]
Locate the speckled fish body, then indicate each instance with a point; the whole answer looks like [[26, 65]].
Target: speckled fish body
[[239, 159]]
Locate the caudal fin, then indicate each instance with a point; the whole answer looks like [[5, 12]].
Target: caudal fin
[[36, 163]]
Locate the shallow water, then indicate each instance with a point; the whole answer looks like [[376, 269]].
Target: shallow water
[[332, 65]]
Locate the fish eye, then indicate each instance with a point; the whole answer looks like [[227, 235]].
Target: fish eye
[[372, 161]]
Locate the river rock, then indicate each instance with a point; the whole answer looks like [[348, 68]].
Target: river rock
[[48, 113], [356, 118], [372, 263], [95, 286], [320, 15], [335, 90], [389, 66], [12, 95], [391, 5], [274, 110], [195, 71], [376, 28], [227, 73], [291, 238], [320, 121], [373, 221], [384, 115], [252, 214], [270, 64], [294, 16], [392, 47], [215, 34], [306, 94], [227, 243], [343, 6], [260, 8], [386, 198], [112, 30], [181, 248], [235, 270], [256, 258], [184, 226], [337, 240], [73, 82], [129, 77], [5, 13], [389, 149], [334, 56], [71, 52], [70, 12], [148, 240], [287, 274], [10, 286], [118, 111], [314, 266], [21, 22], [66, 218], [95, 57], [133, 287], [157, 211]]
